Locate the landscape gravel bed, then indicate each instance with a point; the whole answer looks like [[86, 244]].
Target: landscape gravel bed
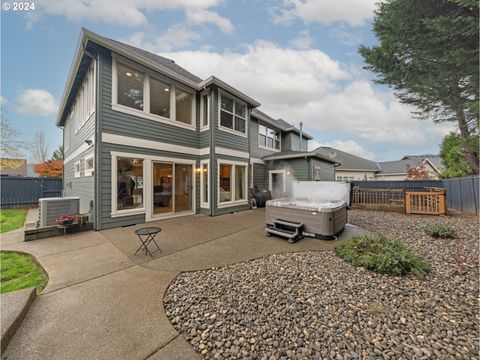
[[314, 305]]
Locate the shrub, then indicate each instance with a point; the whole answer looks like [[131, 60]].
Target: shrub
[[440, 231], [382, 254]]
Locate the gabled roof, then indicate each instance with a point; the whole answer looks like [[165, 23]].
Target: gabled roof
[[279, 123], [148, 59], [413, 161], [348, 161], [284, 155]]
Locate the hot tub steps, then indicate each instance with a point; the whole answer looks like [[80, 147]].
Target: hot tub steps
[[291, 230]]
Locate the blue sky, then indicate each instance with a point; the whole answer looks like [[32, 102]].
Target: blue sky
[[298, 58]]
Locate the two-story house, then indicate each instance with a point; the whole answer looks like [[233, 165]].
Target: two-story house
[[145, 139]]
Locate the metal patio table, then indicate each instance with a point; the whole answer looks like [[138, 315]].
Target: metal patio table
[[148, 234]]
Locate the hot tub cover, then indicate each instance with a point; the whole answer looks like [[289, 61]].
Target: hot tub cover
[[306, 204]]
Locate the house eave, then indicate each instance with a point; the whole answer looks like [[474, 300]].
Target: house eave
[[299, 155], [222, 84]]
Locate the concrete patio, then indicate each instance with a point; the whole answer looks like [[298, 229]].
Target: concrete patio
[[103, 302]]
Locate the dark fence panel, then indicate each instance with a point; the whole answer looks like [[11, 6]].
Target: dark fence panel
[[25, 191], [462, 193]]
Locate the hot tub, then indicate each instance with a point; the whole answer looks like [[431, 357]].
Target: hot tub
[[320, 207]]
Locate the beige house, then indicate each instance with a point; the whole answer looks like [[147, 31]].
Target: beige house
[[351, 167], [397, 170]]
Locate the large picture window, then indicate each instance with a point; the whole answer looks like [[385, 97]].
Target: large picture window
[[151, 95], [129, 179], [160, 98], [268, 138], [232, 183], [233, 115], [130, 87]]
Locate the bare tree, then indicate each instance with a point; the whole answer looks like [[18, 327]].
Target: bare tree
[[10, 147], [39, 151]]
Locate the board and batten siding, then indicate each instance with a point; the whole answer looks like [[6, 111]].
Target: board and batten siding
[[291, 142]]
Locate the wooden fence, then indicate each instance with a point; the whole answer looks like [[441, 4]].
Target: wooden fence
[[429, 201], [425, 202]]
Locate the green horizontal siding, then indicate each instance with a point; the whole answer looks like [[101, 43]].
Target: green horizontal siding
[[260, 176]]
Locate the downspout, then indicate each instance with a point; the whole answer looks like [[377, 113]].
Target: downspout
[[301, 136], [212, 156]]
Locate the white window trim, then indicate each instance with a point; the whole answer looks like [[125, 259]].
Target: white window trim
[[145, 113], [203, 204], [115, 211], [205, 127], [271, 172], [78, 173], [86, 171], [232, 184], [247, 117], [266, 137]]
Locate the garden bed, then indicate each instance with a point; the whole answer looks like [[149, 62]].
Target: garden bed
[[316, 305]]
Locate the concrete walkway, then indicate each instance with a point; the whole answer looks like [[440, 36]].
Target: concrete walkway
[[102, 302]]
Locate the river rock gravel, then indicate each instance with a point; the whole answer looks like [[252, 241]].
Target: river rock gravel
[[314, 305]]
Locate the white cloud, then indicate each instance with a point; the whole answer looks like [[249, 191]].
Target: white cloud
[[309, 86], [36, 102], [177, 36], [3, 101], [302, 41], [202, 16], [326, 12], [349, 146], [122, 12]]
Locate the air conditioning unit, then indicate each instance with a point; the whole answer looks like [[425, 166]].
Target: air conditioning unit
[[50, 208]]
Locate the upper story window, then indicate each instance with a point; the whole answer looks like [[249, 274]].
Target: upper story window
[[160, 93], [204, 110], [151, 95], [268, 138], [233, 114], [130, 87]]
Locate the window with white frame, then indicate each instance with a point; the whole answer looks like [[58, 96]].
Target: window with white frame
[[233, 114], [204, 184], [268, 137], [128, 194], [150, 95], [232, 182], [76, 169], [204, 110], [89, 165]]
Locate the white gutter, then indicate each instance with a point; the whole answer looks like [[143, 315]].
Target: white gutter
[[214, 80]]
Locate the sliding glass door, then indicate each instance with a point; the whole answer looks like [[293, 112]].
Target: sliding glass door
[[172, 188]]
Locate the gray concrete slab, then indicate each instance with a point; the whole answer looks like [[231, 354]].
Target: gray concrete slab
[[14, 307], [242, 246], [58, 244], [117, 316], [177, 349], [182, 233], [71, 267]]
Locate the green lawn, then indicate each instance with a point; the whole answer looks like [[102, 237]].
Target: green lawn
[[20, 271], [11, 219]]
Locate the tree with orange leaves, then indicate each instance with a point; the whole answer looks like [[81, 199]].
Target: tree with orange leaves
[[418, 173], [50, 168]]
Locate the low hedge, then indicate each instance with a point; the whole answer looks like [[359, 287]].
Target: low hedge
[[441, 231], [383, 255]]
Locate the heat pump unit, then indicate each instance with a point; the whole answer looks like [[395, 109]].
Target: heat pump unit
[[51, 208]]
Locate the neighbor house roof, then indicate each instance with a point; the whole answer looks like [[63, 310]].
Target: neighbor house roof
[[413, 161], [153, 61], [278, 123], [284, 155], [348, 161]]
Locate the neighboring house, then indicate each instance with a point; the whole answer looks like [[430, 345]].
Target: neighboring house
[[351, 167], [397, 170], [145, 139], [13, 167]]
